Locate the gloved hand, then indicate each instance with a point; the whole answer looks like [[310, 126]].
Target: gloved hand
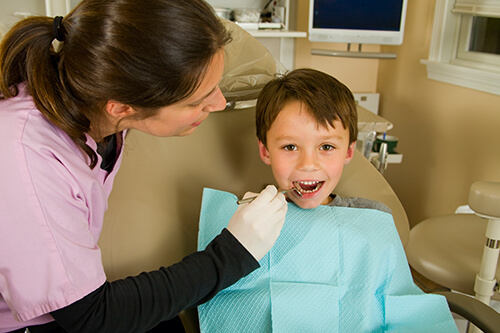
[[257, 225]]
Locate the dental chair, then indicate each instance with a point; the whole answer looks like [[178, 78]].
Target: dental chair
[[153, 213], [461, 251]]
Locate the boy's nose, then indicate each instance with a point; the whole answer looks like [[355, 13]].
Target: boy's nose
[[308, 161], [217, 102]]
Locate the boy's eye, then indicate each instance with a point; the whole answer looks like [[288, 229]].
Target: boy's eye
[[290, 147], [327, 147]]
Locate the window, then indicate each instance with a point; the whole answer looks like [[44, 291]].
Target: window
[[465, 47]]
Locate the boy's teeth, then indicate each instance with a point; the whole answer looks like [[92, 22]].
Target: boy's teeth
[[307, 186]]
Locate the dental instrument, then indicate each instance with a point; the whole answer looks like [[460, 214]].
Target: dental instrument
[[250, 199]]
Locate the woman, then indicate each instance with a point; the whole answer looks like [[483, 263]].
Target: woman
[[152, 66]]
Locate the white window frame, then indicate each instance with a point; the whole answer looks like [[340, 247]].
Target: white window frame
[[442, 64], [480, 59]]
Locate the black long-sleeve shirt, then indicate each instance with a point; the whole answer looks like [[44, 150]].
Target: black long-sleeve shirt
[[137, 304]]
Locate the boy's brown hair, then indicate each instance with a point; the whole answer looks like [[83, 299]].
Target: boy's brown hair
[[325, 98]]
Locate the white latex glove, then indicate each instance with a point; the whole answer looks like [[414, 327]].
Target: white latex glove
[[258, 224]]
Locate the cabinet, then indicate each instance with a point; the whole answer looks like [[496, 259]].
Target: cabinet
[[280, 42]]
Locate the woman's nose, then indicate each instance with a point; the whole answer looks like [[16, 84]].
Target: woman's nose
[[216, 102]]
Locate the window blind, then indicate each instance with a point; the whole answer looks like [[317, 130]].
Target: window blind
[[488, 8]]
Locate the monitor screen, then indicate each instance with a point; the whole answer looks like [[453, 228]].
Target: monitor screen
[[357, 21]]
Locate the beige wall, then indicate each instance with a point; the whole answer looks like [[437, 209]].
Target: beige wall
[[449, 135]]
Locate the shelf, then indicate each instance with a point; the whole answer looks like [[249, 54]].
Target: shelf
[[276, 33], [395, 158], [369, 121], [350, 54]]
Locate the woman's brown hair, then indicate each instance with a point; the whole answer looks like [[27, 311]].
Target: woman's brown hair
[[324, 97], [146, 54]]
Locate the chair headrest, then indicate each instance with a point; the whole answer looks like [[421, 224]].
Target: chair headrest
[[248, 66]]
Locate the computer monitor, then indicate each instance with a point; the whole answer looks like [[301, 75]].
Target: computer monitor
[[357, 21]]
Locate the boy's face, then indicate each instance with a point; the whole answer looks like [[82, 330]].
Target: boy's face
[[306, 155]]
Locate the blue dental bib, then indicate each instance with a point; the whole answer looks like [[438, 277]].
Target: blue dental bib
[[332, 269]]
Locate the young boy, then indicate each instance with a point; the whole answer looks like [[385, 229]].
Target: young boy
[[307, 125], [338, 265]]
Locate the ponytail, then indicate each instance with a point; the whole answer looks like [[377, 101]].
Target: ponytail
[[27, 55]]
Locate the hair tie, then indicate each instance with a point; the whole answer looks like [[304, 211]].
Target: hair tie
[[56, 28]]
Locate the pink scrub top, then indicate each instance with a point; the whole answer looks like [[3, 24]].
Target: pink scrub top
[[51, 213]]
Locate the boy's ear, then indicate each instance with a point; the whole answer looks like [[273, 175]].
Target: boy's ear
[[264, 153], [350, 153], [118, 110]]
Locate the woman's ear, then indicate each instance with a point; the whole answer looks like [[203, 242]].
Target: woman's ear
[[350, 153], [118, 110], [264, 153]]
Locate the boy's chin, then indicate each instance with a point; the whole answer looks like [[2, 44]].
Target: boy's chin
[[311, 203]]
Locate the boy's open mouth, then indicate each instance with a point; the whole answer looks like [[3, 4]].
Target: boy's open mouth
[[305, 187]]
